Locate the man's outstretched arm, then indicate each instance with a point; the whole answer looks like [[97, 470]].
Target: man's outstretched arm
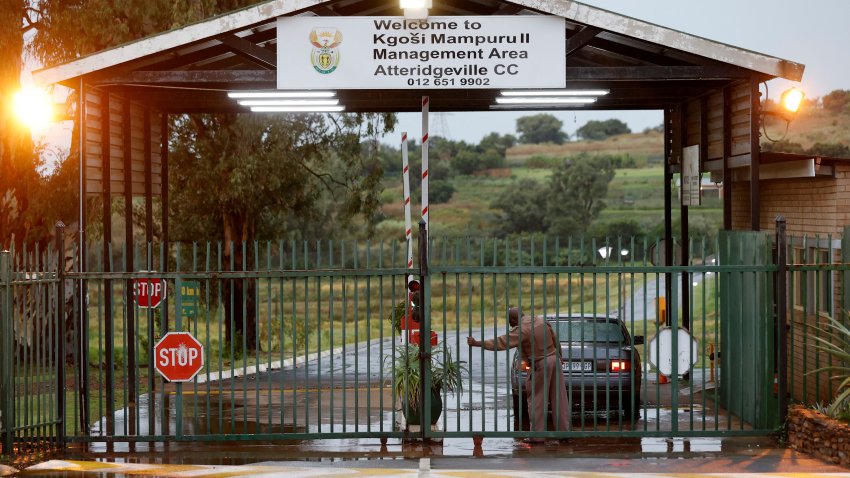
[[502, 342]]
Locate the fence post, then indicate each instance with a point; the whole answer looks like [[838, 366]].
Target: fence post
[[60, 334], [7, 393], [782, 316], [424, 334]]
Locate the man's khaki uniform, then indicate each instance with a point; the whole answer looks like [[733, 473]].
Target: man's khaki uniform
[[541, 350]]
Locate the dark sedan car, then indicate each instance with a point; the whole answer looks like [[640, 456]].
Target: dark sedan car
[[601, 366]]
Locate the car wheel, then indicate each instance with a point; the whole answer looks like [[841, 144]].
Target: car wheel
[[631, 409], [520, 406]]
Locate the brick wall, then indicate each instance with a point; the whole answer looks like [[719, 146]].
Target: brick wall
[[819, 205], [811, 206]]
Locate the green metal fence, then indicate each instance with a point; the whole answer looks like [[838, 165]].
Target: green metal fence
[[301, 339], [31, 340], [818, 274]]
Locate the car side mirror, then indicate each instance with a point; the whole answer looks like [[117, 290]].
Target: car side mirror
[[637, 340]]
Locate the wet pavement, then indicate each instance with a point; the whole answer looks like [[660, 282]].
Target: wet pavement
[[454, 457], [345, 390]]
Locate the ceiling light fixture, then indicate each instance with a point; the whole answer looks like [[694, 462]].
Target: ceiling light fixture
[[281, 94], [547, 100], [264, 102], [297, 109], [532, 93], [537, 107]]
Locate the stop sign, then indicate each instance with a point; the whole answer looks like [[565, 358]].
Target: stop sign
[[149, 292], [178, 356]]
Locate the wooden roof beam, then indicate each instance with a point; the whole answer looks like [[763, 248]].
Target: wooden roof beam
[[249, 51], [581, 38], [656, 73], [609, 74]]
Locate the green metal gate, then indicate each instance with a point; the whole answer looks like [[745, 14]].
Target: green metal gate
[[307, 340], [748, 331]]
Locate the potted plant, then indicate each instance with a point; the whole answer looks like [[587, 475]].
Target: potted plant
[[406, 380]]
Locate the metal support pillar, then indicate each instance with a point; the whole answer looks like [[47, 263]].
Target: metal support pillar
[[60, 335], [755, 154], [727, 152], [129, 264], [424, 333], [782, 316], [109, 325], [668, 201]]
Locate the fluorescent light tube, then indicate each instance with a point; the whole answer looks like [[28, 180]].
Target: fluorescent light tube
[[538, 101], [297, 109], [332, 102], [281, 94], [555, 92]]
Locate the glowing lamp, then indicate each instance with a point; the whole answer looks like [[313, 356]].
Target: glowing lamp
[[792, 99], [415, 9], [33, 108]]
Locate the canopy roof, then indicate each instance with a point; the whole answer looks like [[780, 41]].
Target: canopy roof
[[645, 66]]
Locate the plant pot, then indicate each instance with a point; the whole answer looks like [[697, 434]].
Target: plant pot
[[411, 414]]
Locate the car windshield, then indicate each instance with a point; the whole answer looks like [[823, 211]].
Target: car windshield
[[588, 331]]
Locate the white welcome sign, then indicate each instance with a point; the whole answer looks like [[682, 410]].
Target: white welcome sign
[[439, 53]]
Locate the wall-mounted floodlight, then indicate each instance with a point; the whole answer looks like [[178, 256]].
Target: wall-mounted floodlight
[[791, 100], [415, 9], [789, 105], [524, 93]]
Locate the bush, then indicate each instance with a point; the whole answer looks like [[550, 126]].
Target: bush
[[466, 162], [441, 192]]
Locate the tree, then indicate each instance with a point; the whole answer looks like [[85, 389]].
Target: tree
[[575, 193], [521, 207], [595, 130], [496, 142], [19, 181], [540, 128], [247, 177], [837, 101]]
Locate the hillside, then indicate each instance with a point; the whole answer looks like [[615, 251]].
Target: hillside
[[633, 196]]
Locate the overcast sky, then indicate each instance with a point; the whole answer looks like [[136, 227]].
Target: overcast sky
[[815, 33]]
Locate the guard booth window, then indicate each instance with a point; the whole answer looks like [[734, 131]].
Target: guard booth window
[[813, 290]]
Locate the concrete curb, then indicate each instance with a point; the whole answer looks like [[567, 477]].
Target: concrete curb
[[7, 470]]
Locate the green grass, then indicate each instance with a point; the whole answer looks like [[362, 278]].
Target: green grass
[[633, 194]]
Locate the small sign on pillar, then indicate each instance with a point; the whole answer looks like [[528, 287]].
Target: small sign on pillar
[[690, 176]]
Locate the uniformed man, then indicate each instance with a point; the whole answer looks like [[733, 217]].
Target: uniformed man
[[540, 348]]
